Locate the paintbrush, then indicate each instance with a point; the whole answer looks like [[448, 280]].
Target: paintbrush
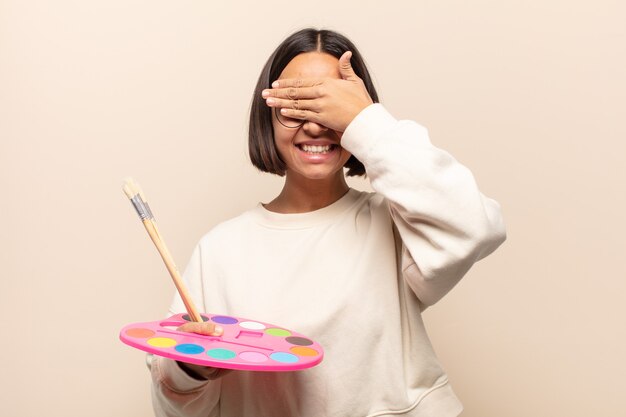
[[136, 196]]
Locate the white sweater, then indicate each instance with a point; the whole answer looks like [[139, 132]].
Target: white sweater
[[354, 276]]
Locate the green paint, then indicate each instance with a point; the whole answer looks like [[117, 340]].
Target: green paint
[[223, 354], [278, 332]]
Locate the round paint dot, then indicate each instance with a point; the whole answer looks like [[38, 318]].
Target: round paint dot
[[222, 354], [278, 332], [224, 320], [189, 348], [163, 342], [300, 341], [140, 333], [187, 318], [253, 357], [303, 351], [252, 325], [284, 357]]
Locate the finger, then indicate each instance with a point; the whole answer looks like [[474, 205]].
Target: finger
[[299, 114], [208, 329], [296, 104], [296, 82], [293, 92], [345, 67]]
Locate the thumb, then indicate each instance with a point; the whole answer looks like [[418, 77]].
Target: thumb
[[208, 329], [345, 67]]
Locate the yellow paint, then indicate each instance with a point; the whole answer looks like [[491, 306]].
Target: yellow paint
[[163, 342]]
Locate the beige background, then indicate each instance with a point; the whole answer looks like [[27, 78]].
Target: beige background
[[528, 94]]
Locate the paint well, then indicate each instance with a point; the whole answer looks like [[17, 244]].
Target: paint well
[[187, 318], [224, 320], [222, 354], [246, 333], [162, 342], [303, 351], [189, 348], [140, 333], [300, 341], [284, 357], [278, 332], [252, 325], [256, 357]]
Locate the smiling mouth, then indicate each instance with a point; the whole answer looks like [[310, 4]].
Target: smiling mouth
[[316, 149]]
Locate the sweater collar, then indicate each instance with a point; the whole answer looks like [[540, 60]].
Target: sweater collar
[[303, 220]]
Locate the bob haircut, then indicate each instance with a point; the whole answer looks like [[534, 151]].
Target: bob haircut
[[261, 146]]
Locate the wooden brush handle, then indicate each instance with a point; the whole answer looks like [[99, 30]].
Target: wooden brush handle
[[171, 267]]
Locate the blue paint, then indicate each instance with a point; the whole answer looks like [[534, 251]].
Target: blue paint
[[284, 357], [189, 348]]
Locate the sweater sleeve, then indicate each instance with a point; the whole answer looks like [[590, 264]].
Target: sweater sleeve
[[174, 392], [445, 223]]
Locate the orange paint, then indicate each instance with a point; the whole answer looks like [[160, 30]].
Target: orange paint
[[303, 351], [141, 333]]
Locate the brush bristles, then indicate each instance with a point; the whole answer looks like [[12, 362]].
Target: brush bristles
[[128, 191], [130, 187]]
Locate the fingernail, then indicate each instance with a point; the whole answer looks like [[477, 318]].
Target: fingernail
[[218, 330], [270, 101], [265, 93], [275, 84]]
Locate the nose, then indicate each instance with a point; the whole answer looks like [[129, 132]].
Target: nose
[[314, 129]]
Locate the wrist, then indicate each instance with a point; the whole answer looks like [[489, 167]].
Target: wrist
[[200, 373]]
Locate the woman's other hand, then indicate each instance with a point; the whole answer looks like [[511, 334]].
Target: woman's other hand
[[331, 102]]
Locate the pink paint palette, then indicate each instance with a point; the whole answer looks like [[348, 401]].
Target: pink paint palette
[[245, 344]]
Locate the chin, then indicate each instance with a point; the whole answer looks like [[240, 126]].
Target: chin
[[319, 174]]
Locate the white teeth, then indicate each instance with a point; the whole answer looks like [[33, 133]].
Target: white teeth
[[315, 148]]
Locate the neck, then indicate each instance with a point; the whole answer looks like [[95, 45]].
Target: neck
[[302, 195]]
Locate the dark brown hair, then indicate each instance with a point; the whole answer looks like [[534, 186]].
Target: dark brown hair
[[261, 145]]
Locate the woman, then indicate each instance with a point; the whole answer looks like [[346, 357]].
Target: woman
[[350, 269]]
